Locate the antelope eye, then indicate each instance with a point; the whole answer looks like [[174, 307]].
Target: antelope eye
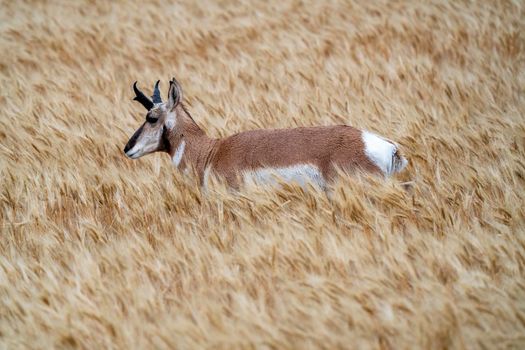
[[151, 120]]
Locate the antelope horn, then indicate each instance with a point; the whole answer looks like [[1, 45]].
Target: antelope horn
[[140, 97], [156, 93]]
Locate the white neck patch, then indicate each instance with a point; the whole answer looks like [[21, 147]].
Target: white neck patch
[[170, 120], [179, 153]]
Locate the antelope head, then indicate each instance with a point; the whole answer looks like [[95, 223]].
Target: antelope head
[[153, 134]]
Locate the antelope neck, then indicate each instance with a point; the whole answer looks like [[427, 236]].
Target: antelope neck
[[189, 145]]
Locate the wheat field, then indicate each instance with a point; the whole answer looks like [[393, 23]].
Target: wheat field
[[99, 251]]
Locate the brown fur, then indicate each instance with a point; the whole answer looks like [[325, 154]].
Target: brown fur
[[326, 147], [198, 145]]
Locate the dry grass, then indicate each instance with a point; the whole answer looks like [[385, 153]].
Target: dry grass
[[98, 251]]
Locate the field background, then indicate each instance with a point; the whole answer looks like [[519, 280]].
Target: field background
[[99, 251]]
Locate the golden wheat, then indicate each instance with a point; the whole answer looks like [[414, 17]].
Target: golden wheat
[[98, 251]]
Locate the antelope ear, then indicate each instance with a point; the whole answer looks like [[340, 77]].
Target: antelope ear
[[174, 94]]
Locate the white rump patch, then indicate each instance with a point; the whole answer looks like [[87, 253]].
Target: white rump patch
[[300, 174], [380, 151], [179, 153]]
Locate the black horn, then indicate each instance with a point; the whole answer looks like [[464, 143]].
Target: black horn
[[156, 93], [140, 97]]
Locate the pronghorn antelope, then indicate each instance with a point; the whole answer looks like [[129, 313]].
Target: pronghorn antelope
[[301, 155]]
